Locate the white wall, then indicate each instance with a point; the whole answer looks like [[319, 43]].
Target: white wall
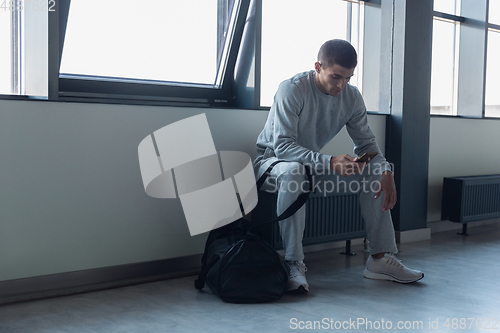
[[460, 147], [71, 192]]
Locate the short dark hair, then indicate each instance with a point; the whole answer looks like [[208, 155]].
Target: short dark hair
[[337, 51]]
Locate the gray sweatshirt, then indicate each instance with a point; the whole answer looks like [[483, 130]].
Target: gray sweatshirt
[[303, 120]]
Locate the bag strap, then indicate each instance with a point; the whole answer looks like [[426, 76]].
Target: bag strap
[[294, 207], [199, 283]]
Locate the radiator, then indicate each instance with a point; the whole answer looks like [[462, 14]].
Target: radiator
[[472, 198], [335, 217]]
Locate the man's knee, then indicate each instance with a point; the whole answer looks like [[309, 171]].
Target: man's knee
[[292, 178], [369, 183], [292, 168]]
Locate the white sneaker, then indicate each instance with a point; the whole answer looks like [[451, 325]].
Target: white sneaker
[[298, 283], [390, 268]]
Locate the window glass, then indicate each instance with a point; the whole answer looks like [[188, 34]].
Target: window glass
[[443, 67], [492, 98], [152, 40], [5, 61], [24, 50], [446, 6], [494, 12], [35, 52], [356, 39], [292, 33]]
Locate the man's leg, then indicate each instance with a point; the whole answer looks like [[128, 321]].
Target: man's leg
[[382, 264], [288, 180], [379, 227], [380, 231]]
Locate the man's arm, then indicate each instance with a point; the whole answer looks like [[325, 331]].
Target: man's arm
[[364, 142], [363, 137], [387, 186]]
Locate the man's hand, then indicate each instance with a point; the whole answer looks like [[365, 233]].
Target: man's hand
[[388, 186], [346, 165]]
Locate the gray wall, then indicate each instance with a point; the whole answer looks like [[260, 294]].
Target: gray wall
[[71, 192]]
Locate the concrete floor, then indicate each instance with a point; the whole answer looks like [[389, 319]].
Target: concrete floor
[[461, 281]]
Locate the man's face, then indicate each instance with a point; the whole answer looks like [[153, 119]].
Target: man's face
[[332, 80]]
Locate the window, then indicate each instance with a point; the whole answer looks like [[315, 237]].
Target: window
[[24, 48], [5, 53], [492, 98], [158, 50], [447, 6], [294, 30], [355, 30], [174, 41], [443, 76], [494, 12], [175, 52], [465, 70], [445, 40], [185, 52]]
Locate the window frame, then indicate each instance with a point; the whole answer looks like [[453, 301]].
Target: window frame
[[130, 92], [472, 16], [94, 89], [16, 50], [28, 53], [86, 88]]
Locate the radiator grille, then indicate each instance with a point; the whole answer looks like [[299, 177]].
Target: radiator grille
[[481, 200], [331, 218]]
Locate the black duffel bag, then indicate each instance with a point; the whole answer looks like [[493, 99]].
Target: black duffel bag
[[240, 266]]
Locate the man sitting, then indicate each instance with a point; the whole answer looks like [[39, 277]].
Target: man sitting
[[309, 109]]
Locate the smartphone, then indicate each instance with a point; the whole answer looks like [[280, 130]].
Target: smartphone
[[366, 157]]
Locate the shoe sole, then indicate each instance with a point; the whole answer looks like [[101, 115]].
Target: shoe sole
[[387, 277], [299, 290]]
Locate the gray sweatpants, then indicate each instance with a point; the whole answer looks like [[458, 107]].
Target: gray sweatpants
[[289, 180]]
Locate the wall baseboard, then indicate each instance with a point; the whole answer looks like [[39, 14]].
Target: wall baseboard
[[63, 284], [440, 226], [72, 283], [416, 235]]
